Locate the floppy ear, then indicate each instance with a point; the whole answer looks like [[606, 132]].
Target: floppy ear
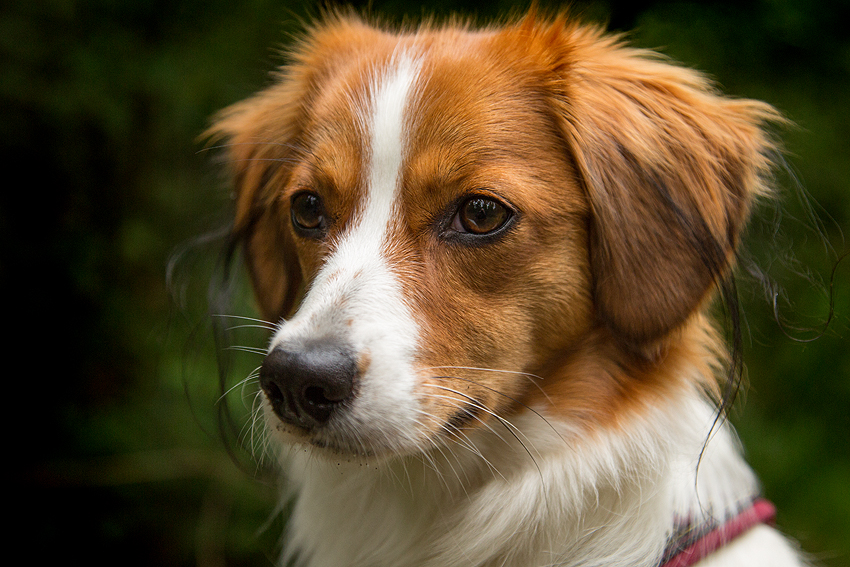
[[670, 168], [257, 136]]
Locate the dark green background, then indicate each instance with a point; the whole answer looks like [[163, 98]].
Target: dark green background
[[113, 383]]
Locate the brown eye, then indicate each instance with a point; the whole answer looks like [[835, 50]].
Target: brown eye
[[308, 214], [481, 215]]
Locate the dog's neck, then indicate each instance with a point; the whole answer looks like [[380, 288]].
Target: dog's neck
[[520, 488]]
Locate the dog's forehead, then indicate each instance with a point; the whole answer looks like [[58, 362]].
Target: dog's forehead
[[425, 113]]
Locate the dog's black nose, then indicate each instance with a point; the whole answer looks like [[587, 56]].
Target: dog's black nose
[[305, 386]]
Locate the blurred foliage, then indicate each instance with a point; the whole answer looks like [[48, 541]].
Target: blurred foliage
[[102, 104]]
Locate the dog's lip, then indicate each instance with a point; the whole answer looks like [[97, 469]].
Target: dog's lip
[[335, 450], [325, 438]]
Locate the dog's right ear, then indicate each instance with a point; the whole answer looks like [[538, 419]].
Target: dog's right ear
[[258, 138], [670, 167]]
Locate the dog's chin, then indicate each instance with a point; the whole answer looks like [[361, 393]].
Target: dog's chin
[[337, 453], [337, 443]]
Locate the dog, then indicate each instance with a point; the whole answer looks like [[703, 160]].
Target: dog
[[491, 254]]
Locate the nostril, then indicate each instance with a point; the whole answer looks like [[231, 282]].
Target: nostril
[[316, 396], [273, 392]]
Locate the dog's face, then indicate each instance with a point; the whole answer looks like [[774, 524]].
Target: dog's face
[[459, 224]]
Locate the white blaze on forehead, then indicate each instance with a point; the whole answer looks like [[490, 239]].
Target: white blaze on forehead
[[383, 116], [390, 97], [360, 251], [356, 274], [356, 297]]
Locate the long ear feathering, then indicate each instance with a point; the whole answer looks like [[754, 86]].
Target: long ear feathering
[[671, 169], [256, 154], [258, 137]]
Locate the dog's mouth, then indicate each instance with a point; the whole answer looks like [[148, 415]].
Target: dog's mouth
[[339, 437], [318, 397]]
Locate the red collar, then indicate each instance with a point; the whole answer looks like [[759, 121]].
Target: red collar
[[692, 543]]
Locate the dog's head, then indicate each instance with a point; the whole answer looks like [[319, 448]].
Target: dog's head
[[451, 224]]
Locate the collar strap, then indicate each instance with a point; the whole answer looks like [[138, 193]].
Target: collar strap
[[693, 543]]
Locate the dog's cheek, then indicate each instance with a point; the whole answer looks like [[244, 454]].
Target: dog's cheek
[[473, 342], [560, 295]]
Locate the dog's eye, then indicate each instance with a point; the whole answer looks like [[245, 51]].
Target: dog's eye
[[481, 215], [308, 213]]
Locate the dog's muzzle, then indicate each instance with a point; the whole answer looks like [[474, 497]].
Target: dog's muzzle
[[305, 386]]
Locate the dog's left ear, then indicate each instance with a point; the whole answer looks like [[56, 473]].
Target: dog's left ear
[[670, 168], [255, 136]]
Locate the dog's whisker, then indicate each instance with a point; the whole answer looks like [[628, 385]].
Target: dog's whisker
[[457, 436], [511, 398], [259, 433], [431, 464], [266, 324], [248, 428], [513, 429], [510, 427], [477, 404], [465, 442], [482, 369], [447, 459], [242, 383], [250, 350], [261, 160], [533, 378], [265, 327], [457, 403]]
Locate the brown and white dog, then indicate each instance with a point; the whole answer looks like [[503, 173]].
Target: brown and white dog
[[490, 253]]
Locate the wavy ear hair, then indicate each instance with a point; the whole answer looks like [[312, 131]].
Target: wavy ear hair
[[256, 136], [671, 169]]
